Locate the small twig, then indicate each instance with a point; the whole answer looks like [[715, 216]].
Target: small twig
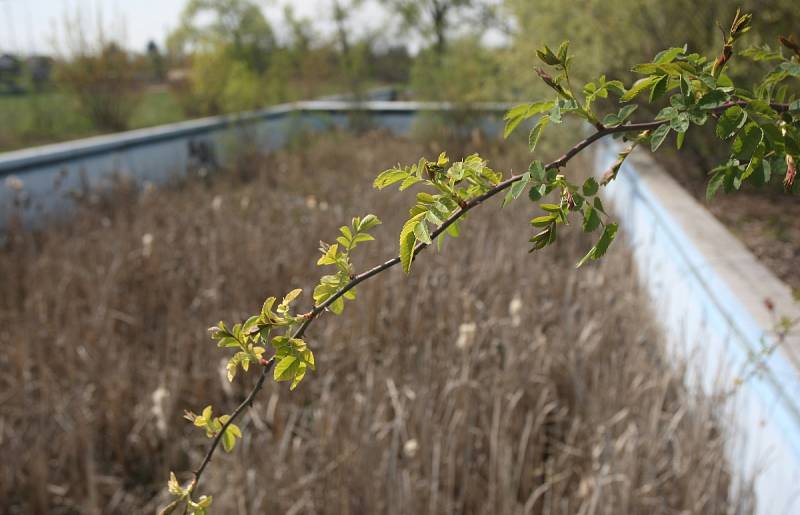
[[245, 403]]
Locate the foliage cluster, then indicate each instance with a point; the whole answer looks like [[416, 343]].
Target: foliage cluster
[[237, 63], [106, 82]]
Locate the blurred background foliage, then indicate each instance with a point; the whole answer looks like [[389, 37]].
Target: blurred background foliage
[[226, 56], [609, 36]]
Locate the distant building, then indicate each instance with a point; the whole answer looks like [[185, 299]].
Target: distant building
[[10, 73]]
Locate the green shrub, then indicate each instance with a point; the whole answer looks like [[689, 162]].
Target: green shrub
[[106, 83]]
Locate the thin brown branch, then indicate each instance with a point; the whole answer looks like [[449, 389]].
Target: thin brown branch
[[467, 206], [239, 409]]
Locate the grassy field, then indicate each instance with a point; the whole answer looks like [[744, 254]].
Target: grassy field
[[37, 119], [488, 381]]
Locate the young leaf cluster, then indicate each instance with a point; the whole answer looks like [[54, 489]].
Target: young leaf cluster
[[582, 199], [338, 255], [293, 358], [761, 123], [243, 337], [213, 426], [449, 187], [183, 498]]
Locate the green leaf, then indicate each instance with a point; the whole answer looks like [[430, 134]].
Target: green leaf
[[610, 120], [791, 68], [544, 238], [680, 123], [731, 120], [518, 111], [686, 87], [285, 368], [544, 220], [337, 306], [762, 53], [766, 172], [608, 236], [561, 53], [669, 55], [517, 188], [407, 241], [174, 486], [626, 112], [645, 69], [300, 373], [537, 171], [755, 162], [667, 113], [598, 205], [522, 112], [421, 232], [747, 140], [712, 99], [714, 184], [228, 441], [658, 136], [537, 192], [368, 222], [513, 118], [600, 248], [555, 113], [453, 230], [361, 238], [639, 86], [616, 87], [204, 501], [547, 56], [591, 220], [228, 341], [408, 182], [536, 132], [389, 177], [329, 257], [590, 187]]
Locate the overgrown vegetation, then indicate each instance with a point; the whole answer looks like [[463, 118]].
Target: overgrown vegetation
[[230, 62], [509, 403], [760, 118]]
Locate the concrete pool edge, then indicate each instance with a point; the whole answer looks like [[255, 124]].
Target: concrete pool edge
[[707, 288]]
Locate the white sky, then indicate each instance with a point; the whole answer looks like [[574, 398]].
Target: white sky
[[33, 26]]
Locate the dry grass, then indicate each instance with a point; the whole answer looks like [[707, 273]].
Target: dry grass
[[557, 402]]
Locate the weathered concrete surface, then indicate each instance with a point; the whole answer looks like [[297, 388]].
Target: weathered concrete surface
[[50, 175], [709, 294]]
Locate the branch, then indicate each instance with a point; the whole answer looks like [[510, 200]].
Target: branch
[[266, 367], [467, 206]]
